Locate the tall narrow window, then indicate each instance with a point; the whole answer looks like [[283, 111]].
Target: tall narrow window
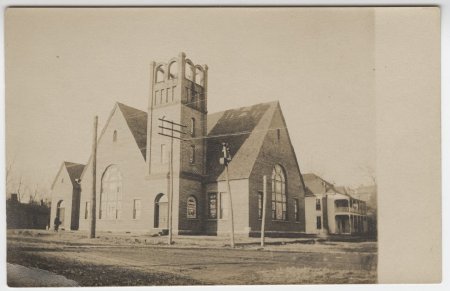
[[192, 154], [173, 70], [199, 76], [278, 194], [136, 208], [224, 203], [163, 94], [212, 205], [192, 127], [189, 71], [318, 207], [278, 134], [193, 99], [191, 205], [297, 217], [156, 97], [260, 205], [115, 136], [319, 222], [188, 95], [159, 74], [87, 209]]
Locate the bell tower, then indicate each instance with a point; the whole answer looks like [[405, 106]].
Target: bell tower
[[178, 93]]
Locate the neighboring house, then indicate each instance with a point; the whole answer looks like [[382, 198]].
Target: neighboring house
[[332, 210], [66, 196], [133, 164], [369, 194]]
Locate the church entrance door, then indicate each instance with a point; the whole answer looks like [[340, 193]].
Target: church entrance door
[[161, 211]]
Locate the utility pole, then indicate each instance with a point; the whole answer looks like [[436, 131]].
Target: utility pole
[[225, 160], [263, 218], [170, 126], [94, 178]]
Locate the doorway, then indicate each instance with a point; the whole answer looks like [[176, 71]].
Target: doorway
[[60, 212], [161, 211]]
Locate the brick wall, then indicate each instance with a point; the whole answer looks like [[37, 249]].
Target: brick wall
[[190, 187], [240, 197], [277, 151]]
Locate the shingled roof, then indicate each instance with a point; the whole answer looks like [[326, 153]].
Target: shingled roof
[[316, 185], [74, 171], [244, 130], [137, 122]]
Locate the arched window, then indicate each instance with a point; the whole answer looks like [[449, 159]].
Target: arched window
[[159, 74], [199, 76], [278, 193], [192, 127], [189, 71], [173, 70], [191, 207], [111, 194], [115, 136]]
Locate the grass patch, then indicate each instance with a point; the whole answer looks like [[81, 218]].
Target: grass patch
[[98, 275], [296, 275]]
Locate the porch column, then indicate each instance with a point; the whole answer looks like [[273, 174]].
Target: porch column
[[350, 222]]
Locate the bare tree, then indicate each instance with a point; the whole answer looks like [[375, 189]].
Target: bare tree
[[369, 172], [8, 175]]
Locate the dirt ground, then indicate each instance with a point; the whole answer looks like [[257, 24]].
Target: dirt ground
[[115, 259]]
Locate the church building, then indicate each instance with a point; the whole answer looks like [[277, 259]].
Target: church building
[[133, 160]]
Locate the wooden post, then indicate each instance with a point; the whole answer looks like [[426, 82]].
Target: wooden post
[[263, 218], [94, 178], [172, 136], [231, 207], [171, 189]]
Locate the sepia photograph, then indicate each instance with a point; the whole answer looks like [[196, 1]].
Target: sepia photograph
[[191, 146]]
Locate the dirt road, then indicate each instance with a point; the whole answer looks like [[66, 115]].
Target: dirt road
[[94, 265]]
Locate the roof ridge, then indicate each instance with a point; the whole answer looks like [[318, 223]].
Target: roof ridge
[[248, 106], [120, 104]]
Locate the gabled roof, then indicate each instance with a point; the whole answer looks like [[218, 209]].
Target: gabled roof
[[73, 169], [137, 122], [244, 130], [316, 185]]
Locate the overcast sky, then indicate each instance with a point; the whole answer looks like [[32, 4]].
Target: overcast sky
[[64, 66]]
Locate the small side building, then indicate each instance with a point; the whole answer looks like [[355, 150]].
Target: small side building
[[331, 210], [66, 196]]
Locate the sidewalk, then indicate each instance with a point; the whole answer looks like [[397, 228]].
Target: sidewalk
[[20, 276]]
